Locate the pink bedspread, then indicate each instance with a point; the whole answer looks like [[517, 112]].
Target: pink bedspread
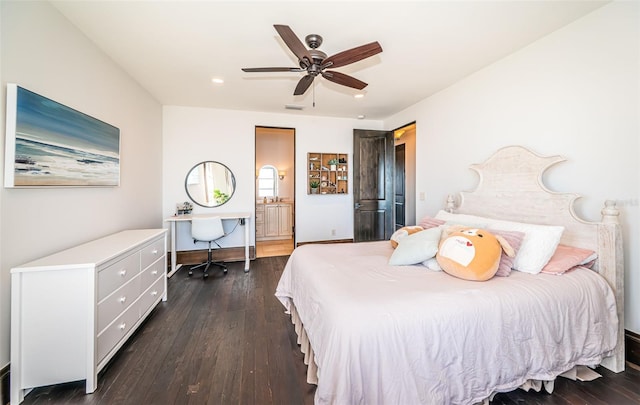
[[406, 335]]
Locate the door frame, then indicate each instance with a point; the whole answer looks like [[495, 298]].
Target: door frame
[[400, 149], [410, 171], [290, 174]]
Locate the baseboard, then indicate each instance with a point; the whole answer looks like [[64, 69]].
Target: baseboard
[[632, 347], [4, 384], [325, 241]]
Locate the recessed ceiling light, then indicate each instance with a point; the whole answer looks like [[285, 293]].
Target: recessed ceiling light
[[361, 117], [359, 95], [217, 80]]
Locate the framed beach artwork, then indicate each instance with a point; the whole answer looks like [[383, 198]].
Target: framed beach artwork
[[51, 145]]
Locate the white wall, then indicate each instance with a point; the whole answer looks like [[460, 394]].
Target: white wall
[[573, 93], [42, 52], [191, 135]]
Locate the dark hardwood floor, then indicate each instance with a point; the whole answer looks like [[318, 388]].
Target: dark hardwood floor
[[226, 340]]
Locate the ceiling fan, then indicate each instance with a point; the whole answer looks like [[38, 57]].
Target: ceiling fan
[[314, 61]]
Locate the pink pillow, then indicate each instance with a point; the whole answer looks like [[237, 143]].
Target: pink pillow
[[514, 238], [430, 222], [566, 258]]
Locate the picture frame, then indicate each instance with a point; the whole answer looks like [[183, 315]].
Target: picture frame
[[48, 144]]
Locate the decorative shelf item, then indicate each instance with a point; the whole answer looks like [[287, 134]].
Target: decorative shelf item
[[328, 173]]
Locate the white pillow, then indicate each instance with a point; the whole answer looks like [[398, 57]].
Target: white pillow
[[432, 264], [416, 248], [538, 244]]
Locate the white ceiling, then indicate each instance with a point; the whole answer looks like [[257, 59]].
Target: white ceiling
[[174, 48]]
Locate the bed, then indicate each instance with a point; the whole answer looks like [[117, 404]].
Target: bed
[[373, 333]]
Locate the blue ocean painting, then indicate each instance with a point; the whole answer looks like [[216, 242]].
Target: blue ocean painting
[[58, 146]]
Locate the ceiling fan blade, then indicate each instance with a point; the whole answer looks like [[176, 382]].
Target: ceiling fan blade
[[352, 55], [303, 85], [344, 80], [294, 43], [273, 69]]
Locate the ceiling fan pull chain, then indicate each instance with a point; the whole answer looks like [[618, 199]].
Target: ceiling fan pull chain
[[314, 95]]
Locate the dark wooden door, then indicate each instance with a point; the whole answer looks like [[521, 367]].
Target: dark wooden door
[[400, 187], [373, 157]]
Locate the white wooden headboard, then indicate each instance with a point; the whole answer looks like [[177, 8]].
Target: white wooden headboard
[[511, 188]]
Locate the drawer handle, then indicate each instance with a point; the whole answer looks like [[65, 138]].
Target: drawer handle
[[122, 326], [122, 299], [154, 272], [122, 273], [155, 251], [154, 293]]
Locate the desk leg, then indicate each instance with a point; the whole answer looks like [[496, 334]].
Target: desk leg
[[174, 267], [246, 245]]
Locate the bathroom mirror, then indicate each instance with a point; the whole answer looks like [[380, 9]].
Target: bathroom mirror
[[210, 184]]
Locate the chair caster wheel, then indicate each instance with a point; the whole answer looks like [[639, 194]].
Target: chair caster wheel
[[190, 273], [225, 271], [205, 275]]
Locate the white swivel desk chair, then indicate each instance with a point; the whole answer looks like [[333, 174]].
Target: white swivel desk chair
[[207, 229]]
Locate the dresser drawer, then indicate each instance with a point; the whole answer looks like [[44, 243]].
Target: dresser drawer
[[151, 274], [114, 276], [151, 253], [151, 296], [112, 306], [259, 217], [110, 337]]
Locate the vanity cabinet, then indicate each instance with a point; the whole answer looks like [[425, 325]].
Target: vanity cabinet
[[329, 172], [72, 311], [276, 221], [285, 220], [260, 221]]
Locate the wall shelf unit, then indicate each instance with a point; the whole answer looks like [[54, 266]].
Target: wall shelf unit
[[330, 171]]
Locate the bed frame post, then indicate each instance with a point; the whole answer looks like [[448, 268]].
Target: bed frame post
[[450, 206], [611, 267]]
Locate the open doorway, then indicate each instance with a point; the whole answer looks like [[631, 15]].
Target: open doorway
[[405, 175], [275, 191]]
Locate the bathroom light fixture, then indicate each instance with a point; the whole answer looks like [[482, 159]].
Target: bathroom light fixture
[[281, 174]]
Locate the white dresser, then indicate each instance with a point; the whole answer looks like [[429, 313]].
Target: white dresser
[[73, 310]]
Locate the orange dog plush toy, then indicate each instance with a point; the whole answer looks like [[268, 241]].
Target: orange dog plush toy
[[402, 232], [471, 254]]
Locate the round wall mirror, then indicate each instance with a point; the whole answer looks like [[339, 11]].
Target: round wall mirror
[[210, 184]]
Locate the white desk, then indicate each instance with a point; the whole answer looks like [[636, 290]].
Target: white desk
[[242, 216]]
